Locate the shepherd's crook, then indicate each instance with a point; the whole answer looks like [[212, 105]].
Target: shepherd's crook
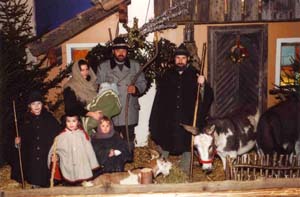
[[133, 83], [53, 164], [194, 125], [19, 148], [194, 128]]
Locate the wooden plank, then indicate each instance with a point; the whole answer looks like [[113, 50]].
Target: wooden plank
[[251, 10], [266, 187], [216, 11], [109, 4], [264, 192], [160, 6], [202, 15], [213, 11]]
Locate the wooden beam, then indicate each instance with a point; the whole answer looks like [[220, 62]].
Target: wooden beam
[[109, 4], [260, 187]]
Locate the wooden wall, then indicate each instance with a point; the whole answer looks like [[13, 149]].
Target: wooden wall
[[224, 11], [275, 30]]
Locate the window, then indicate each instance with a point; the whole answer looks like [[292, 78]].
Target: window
[[287, 50], [76, 51]]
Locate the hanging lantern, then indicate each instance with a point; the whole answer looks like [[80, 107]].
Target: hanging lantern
[[189, 32]]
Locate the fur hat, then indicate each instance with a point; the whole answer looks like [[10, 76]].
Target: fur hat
[[182, 50], [35, 95], [120, 43]]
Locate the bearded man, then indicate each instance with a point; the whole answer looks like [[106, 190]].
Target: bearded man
[[174, 104], [121, 70]]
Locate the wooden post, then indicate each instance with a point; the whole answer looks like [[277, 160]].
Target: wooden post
[[110, 35], [286, 164], [261, 163], [19, 147], [274, 163], [254, 169], [228, 168], [267, 164], [193, 137], [248, 169], [123, 13], [146, 176]]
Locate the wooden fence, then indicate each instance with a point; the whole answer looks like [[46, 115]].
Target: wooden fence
[[253, 166]]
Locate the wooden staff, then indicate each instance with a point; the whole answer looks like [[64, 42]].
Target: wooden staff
[[196, 110], [53, 164], [193, 137], [133, 83], [19, 147]]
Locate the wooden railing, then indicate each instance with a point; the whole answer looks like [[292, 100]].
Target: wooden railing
[[253, 166]]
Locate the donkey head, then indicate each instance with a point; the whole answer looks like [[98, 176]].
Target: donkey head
[[205, 146]]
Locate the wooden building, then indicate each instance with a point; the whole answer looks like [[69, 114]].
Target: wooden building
[[242, 38], [75, 37], [252, 27]]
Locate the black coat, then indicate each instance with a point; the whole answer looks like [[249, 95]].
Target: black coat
[[174, 103], [37, 135], [102, 148], [72, 104]]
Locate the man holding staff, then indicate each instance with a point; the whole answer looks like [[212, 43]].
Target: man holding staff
[[174, 104]]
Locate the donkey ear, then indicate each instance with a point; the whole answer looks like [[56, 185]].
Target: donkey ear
[[211, 129]]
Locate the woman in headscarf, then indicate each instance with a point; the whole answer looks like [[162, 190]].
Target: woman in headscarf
[[80, 91], [81, 98]]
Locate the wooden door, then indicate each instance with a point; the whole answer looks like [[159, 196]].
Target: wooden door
[[237, 84]]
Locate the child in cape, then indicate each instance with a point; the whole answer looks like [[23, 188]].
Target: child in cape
[[111, 150], [73, 152]]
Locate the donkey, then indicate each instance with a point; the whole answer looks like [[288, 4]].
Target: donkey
[[230, 136], [278, 129]]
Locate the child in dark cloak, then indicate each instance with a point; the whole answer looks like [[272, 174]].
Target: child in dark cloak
[[37, 133], [111, 150]]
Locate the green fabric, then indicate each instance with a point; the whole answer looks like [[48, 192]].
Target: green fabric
[[108, 102]]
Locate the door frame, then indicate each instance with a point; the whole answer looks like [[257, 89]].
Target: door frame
[[212, 31]]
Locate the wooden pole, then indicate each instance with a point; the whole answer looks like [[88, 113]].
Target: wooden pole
[[196, 110], [110, 35], [53, 164], [19, 147], [194, 125], [133, 83]]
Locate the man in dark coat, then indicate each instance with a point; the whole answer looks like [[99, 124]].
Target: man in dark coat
[[174, 103], [36, 137]]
